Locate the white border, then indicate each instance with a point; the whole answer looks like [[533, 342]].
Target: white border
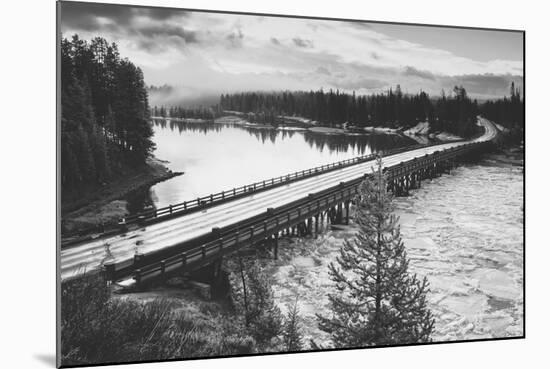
[[28, 181]]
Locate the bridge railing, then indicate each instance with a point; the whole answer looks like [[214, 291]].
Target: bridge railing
[[203, 202], [250, 231], [175, 210]]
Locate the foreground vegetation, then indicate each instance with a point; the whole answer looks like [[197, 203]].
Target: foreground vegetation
[[97, 328], [376, 301]]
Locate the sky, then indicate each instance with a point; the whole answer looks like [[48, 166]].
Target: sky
[[205, 54]]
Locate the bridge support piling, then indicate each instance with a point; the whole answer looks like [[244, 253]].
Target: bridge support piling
[[276, 246], [316, 225], [217, 271]]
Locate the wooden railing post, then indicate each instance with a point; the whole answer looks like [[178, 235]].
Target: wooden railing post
[[162, 268], [137, 277]]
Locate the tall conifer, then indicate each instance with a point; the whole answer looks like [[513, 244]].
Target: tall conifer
[[376, 300]]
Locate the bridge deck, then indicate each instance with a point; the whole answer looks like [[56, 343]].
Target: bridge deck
[[122, 248]]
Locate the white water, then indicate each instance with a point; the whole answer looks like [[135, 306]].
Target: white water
[[463, 231]]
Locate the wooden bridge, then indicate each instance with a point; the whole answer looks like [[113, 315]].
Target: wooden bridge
[[188, 236]]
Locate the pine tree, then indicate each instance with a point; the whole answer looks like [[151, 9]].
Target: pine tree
[[253, 299], [377, 301], [292, 335], [104, 114]]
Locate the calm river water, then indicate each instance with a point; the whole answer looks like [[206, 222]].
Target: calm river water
[[216, 156]]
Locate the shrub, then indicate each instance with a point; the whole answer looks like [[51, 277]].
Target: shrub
[[98, 329]]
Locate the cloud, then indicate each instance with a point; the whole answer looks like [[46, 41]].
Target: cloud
[[161, 14], [360, 83], [413, 72], [249, 52], [323, 70], [359, 25], [170, 36], [235, 38], [302, 42], [142, 25], [87, 16], [484, 85]]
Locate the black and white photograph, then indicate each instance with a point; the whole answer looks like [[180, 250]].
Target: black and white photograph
[[234, 184]]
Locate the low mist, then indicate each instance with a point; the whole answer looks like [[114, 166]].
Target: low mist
[[180, 96]]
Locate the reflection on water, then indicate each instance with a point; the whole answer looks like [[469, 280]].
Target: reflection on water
[[216, 156]]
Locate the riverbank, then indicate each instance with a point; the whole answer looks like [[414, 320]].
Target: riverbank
[[419, 133], [423, 129], [102, 208], [506, 156]]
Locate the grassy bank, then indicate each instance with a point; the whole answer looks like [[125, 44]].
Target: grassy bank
[[102, 207]]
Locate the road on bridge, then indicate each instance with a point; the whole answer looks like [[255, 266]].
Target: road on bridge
[[122, 248]]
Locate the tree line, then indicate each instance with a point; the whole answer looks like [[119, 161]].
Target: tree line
[[105, 121], [455, 112], [508, 112], [334, 108], [180, 112]]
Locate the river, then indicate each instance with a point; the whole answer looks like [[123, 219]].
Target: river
[[463, 231], [218, 156]]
